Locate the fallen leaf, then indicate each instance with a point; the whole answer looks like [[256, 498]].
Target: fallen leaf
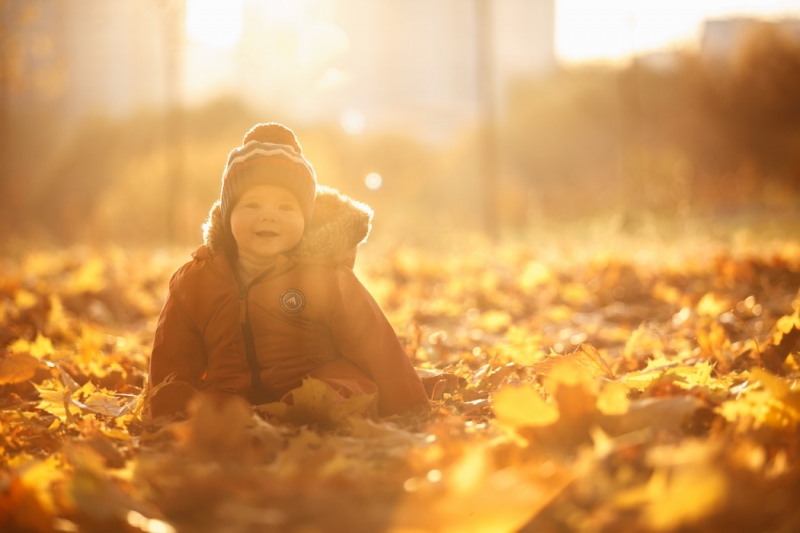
[[17, 367], [314, 402], [523, 406]]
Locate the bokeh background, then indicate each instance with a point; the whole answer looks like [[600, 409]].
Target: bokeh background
[[446, 116]]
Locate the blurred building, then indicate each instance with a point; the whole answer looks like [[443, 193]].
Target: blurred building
[[369, 64], [721, 38], [410, 64], [116, 55], [95, 56]]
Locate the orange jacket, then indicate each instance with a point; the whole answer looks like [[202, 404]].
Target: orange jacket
[[306, 316]]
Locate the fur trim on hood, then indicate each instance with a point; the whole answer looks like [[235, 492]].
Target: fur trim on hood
[[338, 225]]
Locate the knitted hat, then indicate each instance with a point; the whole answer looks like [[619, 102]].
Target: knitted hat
[[269, 155]]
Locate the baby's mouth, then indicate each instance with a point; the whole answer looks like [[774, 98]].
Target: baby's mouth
[[266, 234]]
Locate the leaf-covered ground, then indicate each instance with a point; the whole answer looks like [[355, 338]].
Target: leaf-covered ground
[[597, 388]]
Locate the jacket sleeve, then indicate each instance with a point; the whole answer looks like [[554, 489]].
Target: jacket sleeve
[[177, 349], [364, 336]]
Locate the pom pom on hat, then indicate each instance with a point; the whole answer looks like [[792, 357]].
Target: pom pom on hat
[[274, 133], [270, 155]]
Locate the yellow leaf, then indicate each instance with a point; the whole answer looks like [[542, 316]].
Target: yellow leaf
[[276, 409], [523, 406], [17, 367], [41, 476], [57, 319], [117, 434], [787, 322], [24, 299], [659, 363], [688, 495], [494, 321], [42, 347], [314, 402], [772, 383], [568, 371], [613, 399], [89, 278], [103, 404], [587, 357], [39, 348], [775, 404], [535, 274], [575, 294], [558, 313], [58, 403], [712, 305], [351, 406], [474, 496], [785, 325]]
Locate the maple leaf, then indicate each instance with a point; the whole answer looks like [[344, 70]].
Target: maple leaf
[[784, 341], [88, 278], [681, 497], [473, 496], [39, 348], [613, 399], [494, 321], [785, 325], [58, 403], [17, 367], [712, 305], [105, 404], [588, 357], [523, 406], [776, 404], [225, 429], [314, 402], [39, 476]]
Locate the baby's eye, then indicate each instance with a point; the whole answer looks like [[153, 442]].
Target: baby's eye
[[251, 205], [287, 207]]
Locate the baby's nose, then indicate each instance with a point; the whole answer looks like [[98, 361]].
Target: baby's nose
[[269, 213]]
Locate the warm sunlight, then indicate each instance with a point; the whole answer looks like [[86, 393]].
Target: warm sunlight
[[616, 29], [216, 23], [452, 266]]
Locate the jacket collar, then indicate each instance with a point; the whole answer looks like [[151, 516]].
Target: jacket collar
[[224, 268]]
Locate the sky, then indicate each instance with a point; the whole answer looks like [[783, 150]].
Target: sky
[[588, 30], [585, 31]]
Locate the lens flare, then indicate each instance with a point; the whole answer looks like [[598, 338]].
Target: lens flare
[[373, 181]]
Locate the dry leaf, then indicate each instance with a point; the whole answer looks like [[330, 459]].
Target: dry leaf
[[523, 406], [17, 367], [314, 402]]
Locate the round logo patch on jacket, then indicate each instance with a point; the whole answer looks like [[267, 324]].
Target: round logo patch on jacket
[[292, 300]]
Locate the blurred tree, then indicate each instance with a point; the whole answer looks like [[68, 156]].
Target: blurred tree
[[563, 135], [765, 104], [487, 144], [172, 19], [31, 80], [696, 133]]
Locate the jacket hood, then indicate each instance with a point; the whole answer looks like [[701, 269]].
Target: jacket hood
[[338, 225]]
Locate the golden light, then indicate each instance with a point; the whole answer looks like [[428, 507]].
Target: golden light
[[352, 121], [216, 23], [617, 29], [373, 181]]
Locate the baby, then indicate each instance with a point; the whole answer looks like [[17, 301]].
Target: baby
[[270, 298]]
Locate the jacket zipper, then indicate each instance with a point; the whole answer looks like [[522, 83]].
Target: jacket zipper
[[247, 332]]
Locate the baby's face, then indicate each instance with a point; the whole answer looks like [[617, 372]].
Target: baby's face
[[266, 221]]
